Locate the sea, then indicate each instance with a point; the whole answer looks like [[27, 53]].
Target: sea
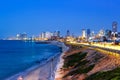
[[17, 56]]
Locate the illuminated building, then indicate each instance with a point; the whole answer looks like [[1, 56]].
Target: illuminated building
[[92, 34], [83, 33], [56, 33], [114, 26], [101, 33], [108, 33], [114, 30], [48, 35], [22, 36], [43, 35]]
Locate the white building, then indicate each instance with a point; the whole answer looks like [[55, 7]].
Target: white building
[[101, 33], [83, 33], [48, 35]]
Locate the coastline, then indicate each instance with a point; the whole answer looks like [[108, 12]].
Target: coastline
[[58, 74], [87, 63], [60, 62], [46, 70]]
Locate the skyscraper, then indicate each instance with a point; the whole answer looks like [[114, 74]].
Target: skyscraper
[[58, 33], [101, 33], [68, 33], [43, 35], [108, 33], [83, 33], [114, 26], [114, 29], [88, 32]]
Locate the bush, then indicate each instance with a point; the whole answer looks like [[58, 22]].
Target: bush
[[108, 75], [73, 59]]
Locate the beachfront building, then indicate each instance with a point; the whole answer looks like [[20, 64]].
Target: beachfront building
[[21, 36], [46, 35], [56, 33]]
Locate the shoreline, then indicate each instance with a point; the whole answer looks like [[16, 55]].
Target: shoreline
[[35, 71], [58, 74], [87, 63]]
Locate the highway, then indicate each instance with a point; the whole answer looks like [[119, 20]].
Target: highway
[[105, 48]]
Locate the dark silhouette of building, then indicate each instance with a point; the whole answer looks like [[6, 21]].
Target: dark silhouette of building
[[88, 32], [118, 34], [58, 33], [68, 33]]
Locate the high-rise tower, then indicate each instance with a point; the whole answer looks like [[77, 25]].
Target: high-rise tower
[[68, 33], [114, 26]]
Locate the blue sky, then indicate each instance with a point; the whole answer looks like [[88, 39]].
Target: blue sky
[[36, 16]]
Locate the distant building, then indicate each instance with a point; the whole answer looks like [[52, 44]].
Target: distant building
[[108, 33], [22, 36], [88, 33], [83, 33], [43, 35], [56, 33], [114, 30], [114, 26], [92, 34], [48, 35], [68, 33], [118, 34], [101, 33]]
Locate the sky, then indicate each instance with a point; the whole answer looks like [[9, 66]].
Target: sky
[[36, 16]]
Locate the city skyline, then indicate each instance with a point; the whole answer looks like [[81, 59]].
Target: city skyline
[[34, 17]]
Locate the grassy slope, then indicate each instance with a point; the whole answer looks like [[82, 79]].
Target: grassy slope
[[77, 63], [108, 75]]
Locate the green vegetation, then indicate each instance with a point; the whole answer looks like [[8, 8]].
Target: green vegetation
[[80, 70], [108, 75], [80, 63], [73, 59], [77, 64]]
